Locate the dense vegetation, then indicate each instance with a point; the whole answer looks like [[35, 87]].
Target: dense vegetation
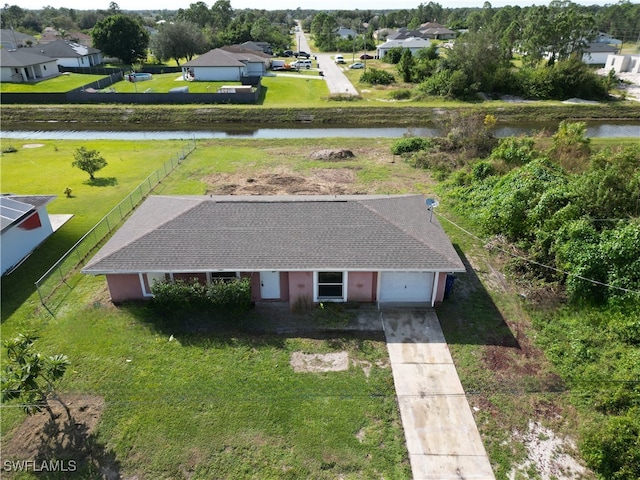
[[567, 220]]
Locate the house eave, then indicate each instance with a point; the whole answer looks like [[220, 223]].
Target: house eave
[[253, 270]]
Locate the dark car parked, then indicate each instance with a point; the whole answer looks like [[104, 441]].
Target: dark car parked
[[302, 54], [366, 56]]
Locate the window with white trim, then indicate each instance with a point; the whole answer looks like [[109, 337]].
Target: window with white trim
[[330, 286]]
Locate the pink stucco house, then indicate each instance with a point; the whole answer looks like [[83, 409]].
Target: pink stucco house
[[360, 248]]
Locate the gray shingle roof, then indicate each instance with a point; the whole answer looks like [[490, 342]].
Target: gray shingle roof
[[219, 57], [64, 49], [22, 57], [286, 233]]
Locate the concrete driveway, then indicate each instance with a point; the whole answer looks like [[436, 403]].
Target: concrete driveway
[[440, 431]]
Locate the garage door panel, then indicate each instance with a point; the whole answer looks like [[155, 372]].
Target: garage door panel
[[406, 286]]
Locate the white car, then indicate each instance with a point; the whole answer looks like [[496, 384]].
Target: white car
[[357, 65]]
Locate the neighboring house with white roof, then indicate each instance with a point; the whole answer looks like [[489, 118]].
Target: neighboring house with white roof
[[412, 43], [226, 64], [25, 224], [70, 54], [295, 248], [24, 65]]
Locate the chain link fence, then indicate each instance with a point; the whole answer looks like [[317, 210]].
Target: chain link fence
[[65, 272]]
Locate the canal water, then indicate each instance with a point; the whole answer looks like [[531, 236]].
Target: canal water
[[594, 130]]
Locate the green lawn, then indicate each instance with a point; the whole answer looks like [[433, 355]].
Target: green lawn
[[47, 170], [219, 403], [59, 84]]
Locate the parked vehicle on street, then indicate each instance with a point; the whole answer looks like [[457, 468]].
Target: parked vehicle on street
[[300, 63], [357, 65], [302, 54]]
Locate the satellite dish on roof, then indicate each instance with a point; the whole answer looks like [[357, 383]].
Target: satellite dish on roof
[[431, 204]]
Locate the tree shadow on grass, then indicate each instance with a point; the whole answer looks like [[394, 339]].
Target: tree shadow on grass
[[469, 315], [256, 327], [65, 446], [102, 182]]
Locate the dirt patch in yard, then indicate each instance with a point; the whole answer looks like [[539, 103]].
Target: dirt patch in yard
[[319, 362], [552, 456], [284, 182], [67, 438]]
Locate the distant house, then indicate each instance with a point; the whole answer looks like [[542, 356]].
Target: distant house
[[412, 43], [263, 47], [70, 54], [50, 34], [23, 65], [606, 38], [346, 33], [295, 248], [597, 53], [230, 63], [25, 225], [623, 63], [11, 39], [430, 30], [436, 31]]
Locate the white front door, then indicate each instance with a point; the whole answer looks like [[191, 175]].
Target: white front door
[[269, 285]]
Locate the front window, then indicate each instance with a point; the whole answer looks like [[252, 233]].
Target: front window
[[330, 285], [223, 276]]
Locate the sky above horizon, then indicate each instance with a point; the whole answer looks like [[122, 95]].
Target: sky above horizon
[[157, 5]]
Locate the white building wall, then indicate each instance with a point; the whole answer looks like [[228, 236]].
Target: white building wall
[[18, 243], [217, 74]]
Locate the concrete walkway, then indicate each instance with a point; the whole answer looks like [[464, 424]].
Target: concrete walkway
[[441, 433]]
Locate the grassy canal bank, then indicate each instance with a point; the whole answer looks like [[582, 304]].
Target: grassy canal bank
[[171, 116]]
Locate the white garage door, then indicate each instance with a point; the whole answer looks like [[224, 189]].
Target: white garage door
[[406, 286]]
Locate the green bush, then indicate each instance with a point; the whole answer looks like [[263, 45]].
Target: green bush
[[409, 144], [515, 150], [377, 77], [612, 447], [402, 94], [563, 80], [9, 149], [181, 297], [482, 170], [230, 296], [448, 84], [393, 55]]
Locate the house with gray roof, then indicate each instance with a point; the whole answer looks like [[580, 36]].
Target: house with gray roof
[[24, 65], [70, 54], [229, 63], [25, 224], [412, 43], [12, 39], [296, 248]]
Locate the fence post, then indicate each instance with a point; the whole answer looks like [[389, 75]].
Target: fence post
[[93, 231]]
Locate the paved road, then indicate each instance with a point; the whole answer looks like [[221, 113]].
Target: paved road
[[336, 80], [441, 433]]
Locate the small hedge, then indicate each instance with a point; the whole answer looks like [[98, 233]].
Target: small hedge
[[409, 144], [228, 297]]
